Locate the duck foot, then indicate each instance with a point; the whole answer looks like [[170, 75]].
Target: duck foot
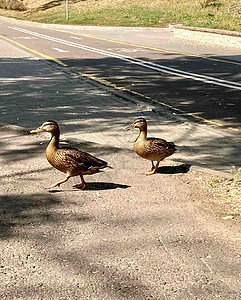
[[80, 186], [58, 183], [153, 169], [151, 172], [51, 186]]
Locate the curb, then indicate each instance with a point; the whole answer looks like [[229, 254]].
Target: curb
[[218, 37]]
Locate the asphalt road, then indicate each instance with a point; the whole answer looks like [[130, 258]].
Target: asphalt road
[[190, 78]]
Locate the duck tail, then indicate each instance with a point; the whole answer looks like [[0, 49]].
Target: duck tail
[[171, 146]]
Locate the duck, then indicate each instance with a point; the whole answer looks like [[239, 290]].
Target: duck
[[70, 161], [153, 149]]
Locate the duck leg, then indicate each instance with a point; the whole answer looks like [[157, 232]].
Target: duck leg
[[59, 182], [82, 185], [153, 169]]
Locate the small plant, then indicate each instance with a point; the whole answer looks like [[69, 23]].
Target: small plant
[[213, 181], [236, 172]]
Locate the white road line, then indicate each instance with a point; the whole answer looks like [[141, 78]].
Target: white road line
[[77, 38], [145, 64], [26, 38], [61, 50]]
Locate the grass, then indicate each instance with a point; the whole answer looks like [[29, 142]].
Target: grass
[[135, 16], [155, 13]]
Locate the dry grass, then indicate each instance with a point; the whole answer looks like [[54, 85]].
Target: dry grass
[[32, 4], [226, 192], [12, 5]]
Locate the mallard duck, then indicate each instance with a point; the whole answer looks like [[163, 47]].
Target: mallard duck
[[71, 161], [153, 149]]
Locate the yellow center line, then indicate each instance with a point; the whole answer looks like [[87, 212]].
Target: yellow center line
[[34, 51], [147, 47]]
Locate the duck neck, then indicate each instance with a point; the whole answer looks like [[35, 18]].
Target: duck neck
[[143, 134], [54, 142]]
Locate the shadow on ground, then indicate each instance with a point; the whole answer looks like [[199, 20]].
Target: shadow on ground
[[16, 210], [183, 168], [95, 186], [209, 101], [98, 186]]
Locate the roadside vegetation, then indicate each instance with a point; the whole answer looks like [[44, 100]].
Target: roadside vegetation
[[227, 193], [224, 192], [145, 13], [12, 5]]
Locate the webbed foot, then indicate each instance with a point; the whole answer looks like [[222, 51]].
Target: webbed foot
[[151, 172], [80, 186], [58, 183], [51, 186]]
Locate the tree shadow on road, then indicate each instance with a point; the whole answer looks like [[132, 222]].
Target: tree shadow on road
[[16, 210]]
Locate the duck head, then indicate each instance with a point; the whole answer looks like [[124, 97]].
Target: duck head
[[49, 126], [138, 123]]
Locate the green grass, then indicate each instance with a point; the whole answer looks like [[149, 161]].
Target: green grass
[[139, 16], [136, 16], [193, 15]]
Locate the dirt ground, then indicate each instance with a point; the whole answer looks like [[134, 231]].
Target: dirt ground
[[126, 236]]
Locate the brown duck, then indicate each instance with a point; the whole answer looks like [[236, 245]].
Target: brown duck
[[153, 149], [71, 161]]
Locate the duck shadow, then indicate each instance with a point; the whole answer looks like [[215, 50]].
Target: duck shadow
[[96, 186], [183, 168]]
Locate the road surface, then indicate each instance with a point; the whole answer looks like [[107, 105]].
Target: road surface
[[191, 79]]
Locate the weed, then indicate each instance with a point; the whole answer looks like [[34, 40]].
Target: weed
[[236, 172], [213, 181]]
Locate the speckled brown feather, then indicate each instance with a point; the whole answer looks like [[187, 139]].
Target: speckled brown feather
[[154, 149], [74, 161]]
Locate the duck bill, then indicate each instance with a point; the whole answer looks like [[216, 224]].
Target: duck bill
[[37, 130], [129, 127]]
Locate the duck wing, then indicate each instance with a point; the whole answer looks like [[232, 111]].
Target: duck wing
[[74, 161], [82, 158], [161, 143]]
